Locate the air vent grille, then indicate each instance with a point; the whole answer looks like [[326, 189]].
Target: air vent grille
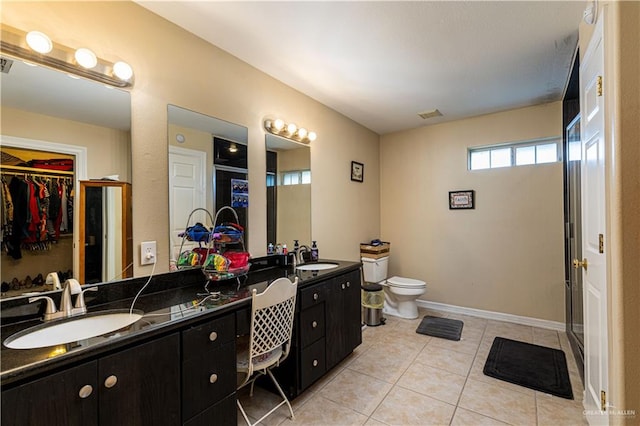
[[5, 65], [430, 114]]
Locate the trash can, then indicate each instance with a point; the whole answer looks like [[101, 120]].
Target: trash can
[[372, 303]]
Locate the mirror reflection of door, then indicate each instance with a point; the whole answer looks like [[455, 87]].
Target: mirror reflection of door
[[106, 252]]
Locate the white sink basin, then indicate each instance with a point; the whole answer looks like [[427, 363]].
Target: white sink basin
[[316, 266], [72, 329]]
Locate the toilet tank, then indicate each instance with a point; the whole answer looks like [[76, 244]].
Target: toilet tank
[[375, 270]]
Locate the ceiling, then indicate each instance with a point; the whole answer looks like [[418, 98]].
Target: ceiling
[[383, 63]]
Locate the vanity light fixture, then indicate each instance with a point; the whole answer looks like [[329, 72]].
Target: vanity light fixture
[[37, 47], [290, 131]]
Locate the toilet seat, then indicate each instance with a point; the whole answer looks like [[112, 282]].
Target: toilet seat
[[402, 282]]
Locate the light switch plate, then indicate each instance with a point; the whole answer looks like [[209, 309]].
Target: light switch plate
[[147, 253]]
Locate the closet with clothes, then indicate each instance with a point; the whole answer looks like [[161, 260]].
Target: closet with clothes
[[36, 217]]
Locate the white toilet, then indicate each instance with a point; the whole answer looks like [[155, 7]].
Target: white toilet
[[400, 293]]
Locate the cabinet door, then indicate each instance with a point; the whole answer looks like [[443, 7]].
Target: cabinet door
[[311, 325], [312, 363], [141, 385], [224, 413], [67, 398], [343, 317]]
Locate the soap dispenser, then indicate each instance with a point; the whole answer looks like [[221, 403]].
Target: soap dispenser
[[314, 251]]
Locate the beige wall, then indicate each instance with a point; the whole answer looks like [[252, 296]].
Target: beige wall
[[108, 150], [506, 255], [294, 201], [174, 67]]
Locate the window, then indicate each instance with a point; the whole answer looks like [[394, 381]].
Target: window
[[295, 177], [538, 151]]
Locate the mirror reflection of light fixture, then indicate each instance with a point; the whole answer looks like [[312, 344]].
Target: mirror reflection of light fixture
[[37, 48], [290, 131], [233, 148]]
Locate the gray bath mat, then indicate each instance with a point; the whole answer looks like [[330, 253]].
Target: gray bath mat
[[441, 327]]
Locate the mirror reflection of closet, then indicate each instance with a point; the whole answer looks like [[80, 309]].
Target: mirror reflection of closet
[[37, 218], [106, 248]]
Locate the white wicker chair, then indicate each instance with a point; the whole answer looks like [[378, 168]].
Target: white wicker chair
[[270, 338]]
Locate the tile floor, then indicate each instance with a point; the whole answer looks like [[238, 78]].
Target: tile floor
[[399, 377]]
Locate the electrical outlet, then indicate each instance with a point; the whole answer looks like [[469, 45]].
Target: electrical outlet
[[148, 253]]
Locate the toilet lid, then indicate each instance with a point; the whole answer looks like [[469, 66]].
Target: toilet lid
[[405, 282]]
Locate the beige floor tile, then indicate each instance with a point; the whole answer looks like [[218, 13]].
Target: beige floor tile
[[463, 345], [383, 363], [374, 422], [470, 321], [499, 403], [433, 382], [405, 407], [261, 402], [558, 411], [464, 417], [321, 411], [445, 359], [523, 333], [545, 337], [356, 391]]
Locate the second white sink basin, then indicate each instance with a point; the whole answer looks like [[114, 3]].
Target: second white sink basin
[[72, 329], [316, 266]]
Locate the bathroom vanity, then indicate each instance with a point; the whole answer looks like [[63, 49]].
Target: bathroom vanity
[[176, 365]]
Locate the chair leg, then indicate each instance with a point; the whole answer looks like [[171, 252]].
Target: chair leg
[[246, 419], [286, 400]]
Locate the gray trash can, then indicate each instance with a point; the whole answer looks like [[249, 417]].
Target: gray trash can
[[372, 302]]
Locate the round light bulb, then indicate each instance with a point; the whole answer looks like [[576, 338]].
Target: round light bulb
[[39, 42], [86, 58], [302, 132], [278, 124], [122, 70], [291, 128], [312, 136]]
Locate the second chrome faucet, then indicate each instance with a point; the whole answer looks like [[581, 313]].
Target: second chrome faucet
[[67, 309]]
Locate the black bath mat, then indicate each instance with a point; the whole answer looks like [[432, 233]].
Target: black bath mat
[[532, 366], [441, 327]]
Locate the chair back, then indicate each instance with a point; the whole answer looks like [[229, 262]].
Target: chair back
[[272, 318]]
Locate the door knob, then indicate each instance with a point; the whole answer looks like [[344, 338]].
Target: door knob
[[577, 263]]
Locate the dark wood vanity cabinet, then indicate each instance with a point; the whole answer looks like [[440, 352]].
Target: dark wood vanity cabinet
[[209, 373], [327, 328], [139, 385]]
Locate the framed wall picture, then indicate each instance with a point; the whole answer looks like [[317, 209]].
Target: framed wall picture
[[461, 200], [357, 171]]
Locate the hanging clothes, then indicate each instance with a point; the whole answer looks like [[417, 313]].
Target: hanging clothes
[[19, 190]]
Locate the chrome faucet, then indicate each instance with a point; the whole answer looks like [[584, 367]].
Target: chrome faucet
[[301, 251], [71, 287]]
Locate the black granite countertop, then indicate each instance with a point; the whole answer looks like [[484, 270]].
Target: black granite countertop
[[170, 301]]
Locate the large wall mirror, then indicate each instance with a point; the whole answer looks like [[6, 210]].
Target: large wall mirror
[[288, 191], [205, 155], [56, 131]]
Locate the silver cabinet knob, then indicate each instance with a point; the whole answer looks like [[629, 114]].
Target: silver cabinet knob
[[343, 286], [315, 296], [213, 378], [315, 362], [314, 324], [85, 391], [110, 382], [213, 336], [348, 284]]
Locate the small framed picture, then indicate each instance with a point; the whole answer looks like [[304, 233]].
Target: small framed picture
[[357, 171], [461, 200]]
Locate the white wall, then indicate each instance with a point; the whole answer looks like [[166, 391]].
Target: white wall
[[506, 255]]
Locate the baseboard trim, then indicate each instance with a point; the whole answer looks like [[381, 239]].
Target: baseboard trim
[[499, 316]]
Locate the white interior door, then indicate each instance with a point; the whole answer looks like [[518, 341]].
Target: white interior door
[[187, 186], [592, 103]]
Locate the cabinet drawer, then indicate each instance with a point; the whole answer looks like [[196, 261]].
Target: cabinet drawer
[[208, 336], [312, 363], [208, 378], [312, 296], [311, 324], [224, 413]]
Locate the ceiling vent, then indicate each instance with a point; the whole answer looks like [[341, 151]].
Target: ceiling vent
[[5, 65], [430, 114]]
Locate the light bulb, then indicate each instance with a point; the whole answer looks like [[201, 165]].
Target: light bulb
[[278, 124], [122, 70], [291, 128], [302, 132], [39, 42], [86, 58], [312, 136]]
